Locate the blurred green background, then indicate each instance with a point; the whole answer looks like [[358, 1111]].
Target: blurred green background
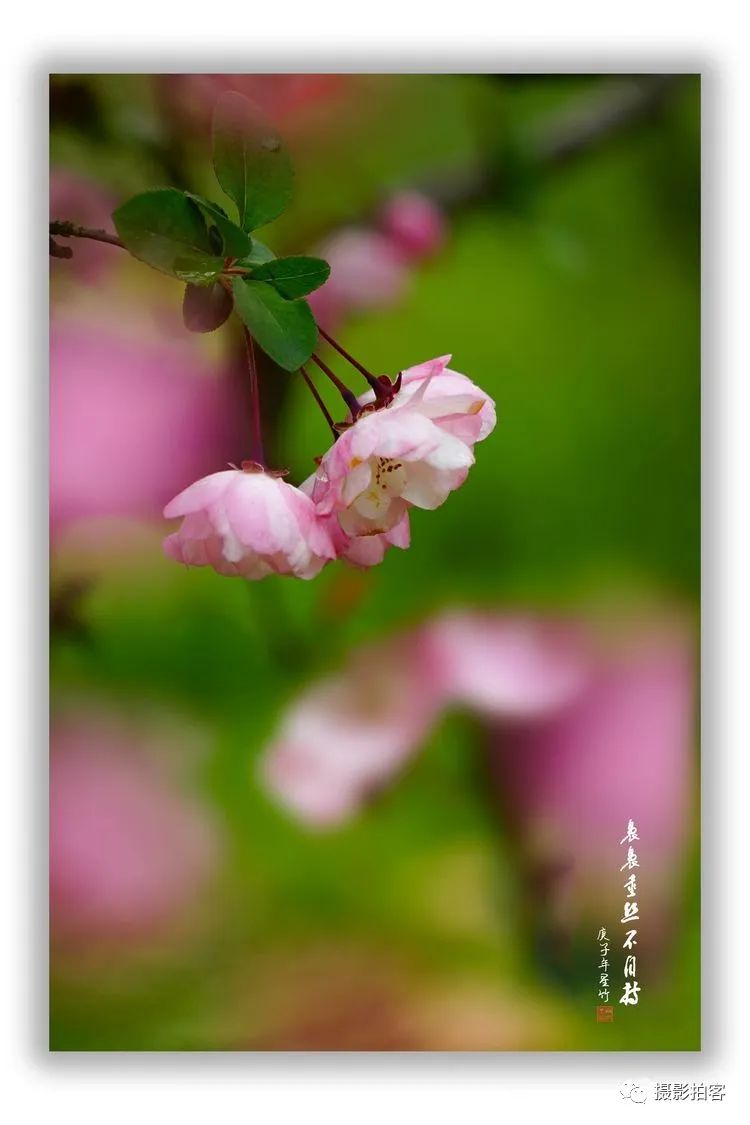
[[570, 293]]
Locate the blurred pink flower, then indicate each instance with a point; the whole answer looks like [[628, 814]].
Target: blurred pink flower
[[129, 855], [370, 268], [131, 422], [414, 223], [584, 737], [507, 667], [622, 748], [80, 200], [248, 524], [190, 98], [367, 272], [412, 453], [352, 733], [347, 735]]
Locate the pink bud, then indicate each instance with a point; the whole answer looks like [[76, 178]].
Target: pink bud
[[414, 223]]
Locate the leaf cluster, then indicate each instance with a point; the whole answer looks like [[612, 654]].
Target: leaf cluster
[[225, 267]]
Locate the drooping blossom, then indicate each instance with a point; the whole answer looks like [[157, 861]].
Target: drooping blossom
[[456, 404], [130, 854], [249, 524], [411, 453], [414, 223], [347, 735], [131, 421], [385, 463]]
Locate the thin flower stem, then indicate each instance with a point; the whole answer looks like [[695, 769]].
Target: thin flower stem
[[319, 401], [348, 396], [374, 383], [256, 439]]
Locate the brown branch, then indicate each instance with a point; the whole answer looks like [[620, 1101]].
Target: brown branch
[[61, 228], [57, 251], [585, 123]]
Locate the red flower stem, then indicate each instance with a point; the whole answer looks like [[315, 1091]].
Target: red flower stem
[[348, 396], [319, 400], [374, 383], [256, 439]]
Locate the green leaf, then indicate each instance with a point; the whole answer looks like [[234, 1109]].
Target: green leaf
[[217, 242], [293, 277], [250, 161], [257, 256], [166, 230], [286, 330], [204, 310], [236, 242]]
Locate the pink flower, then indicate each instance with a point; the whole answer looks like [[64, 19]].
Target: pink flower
[[412, 453], [413, 223], [347, 735], [366, 550], [248, 524], [450, 399]]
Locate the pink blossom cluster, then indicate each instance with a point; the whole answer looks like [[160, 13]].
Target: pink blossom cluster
[[410, 452]]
